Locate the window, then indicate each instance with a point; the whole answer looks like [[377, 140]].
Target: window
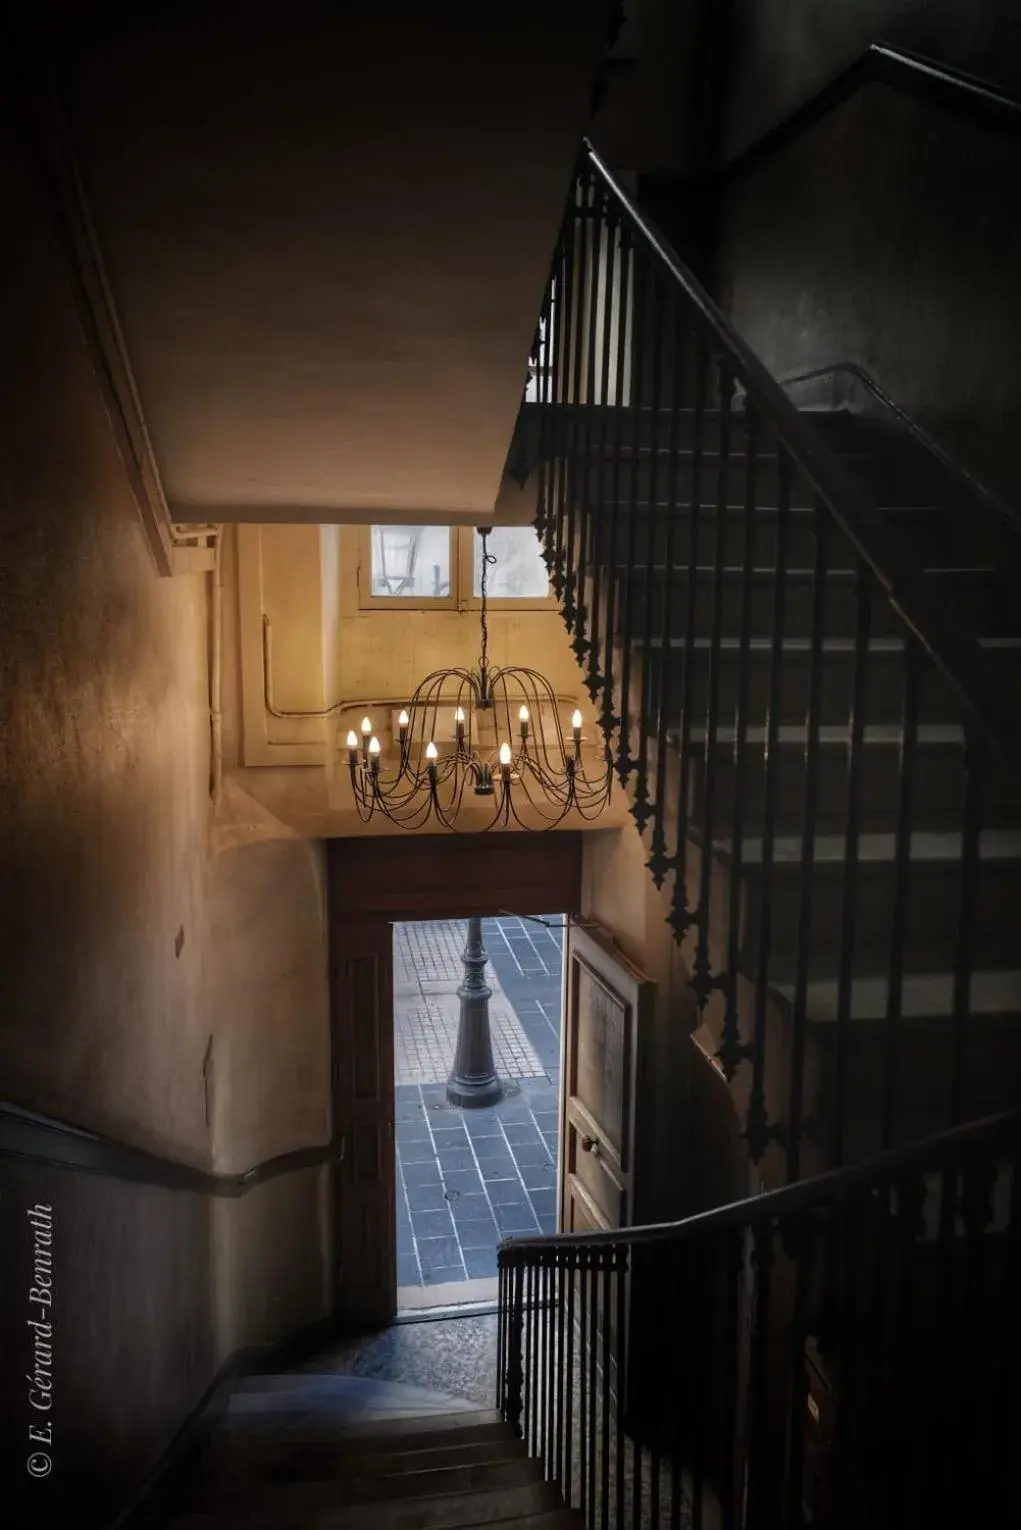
[[441, 566]]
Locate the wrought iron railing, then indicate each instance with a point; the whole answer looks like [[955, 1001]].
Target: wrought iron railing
[[839, 1353], [745, 616]]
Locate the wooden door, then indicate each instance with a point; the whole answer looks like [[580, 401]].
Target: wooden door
[[607, 1013], [363, 1106]]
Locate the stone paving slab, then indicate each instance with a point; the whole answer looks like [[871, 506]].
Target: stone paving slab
[[425, 1038]]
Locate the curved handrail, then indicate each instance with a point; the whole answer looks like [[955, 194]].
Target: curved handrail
[[59, 1144], [835, 1185], [952, 648], [927, 80]]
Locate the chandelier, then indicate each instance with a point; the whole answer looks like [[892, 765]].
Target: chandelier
[[490, 735]]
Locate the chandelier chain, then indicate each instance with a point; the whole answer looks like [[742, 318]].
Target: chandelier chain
[[487, 559]]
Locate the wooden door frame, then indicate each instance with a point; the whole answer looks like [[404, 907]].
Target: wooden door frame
[[376, 881]]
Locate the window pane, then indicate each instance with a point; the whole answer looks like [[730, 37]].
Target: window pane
[[411, 561], [519, 572]]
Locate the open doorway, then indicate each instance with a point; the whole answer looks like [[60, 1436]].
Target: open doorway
[[467, 1177]]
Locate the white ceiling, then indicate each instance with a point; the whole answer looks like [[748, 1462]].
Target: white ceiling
[[328, 244]]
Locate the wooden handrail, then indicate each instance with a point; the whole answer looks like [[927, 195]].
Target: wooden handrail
[[791, 1200], [59, 1144]]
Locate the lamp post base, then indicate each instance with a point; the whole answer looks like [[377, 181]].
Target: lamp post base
[[473, 1081]]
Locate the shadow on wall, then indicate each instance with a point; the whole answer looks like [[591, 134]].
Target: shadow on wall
[[783, 51], [886, 236]]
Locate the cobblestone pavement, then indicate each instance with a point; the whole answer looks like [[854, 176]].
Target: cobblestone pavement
[[467, 1178]]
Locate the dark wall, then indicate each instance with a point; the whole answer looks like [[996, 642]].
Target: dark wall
[[887, 236], [782, 51]]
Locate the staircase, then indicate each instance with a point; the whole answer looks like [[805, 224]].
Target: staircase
[[801, 634], [295, 1465]]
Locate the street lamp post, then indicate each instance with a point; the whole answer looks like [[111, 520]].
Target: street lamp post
[[473, 1081]]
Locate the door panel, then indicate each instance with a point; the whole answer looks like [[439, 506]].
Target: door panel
[[363, 1103], [607, 1011]]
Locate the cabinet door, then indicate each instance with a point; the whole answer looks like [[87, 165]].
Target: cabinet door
[[363, 1105]]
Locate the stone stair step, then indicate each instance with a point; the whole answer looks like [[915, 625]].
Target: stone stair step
[[923, 1051], [884, 684], [445, 1512], [978, 598], [321, 1459], [931, 914], [293, 1497], [937, 790], [925, 524]]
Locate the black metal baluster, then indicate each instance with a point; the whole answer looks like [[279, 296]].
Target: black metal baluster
[[849, 898], [501, 1336], [801, 1241], [640, 326], [552, 1354], [565, 352], [730, 1485], [758, 1131], [592, 1277], [637, 1468], [849, 1256], [515, 1360], [575, 473], [614, 594], [562, 1367], [622, 1264], [909, 1227], [732, 1050], [572, 1268], [659, 861], [680, 914], [641, 808], [698, 1284], [976, 1358], [605, 551], [813, 719], [529, 1394], [758, 1433], [583, 1381], [702, 980], [608, 1260], [901, 886], [1005, 1407], [677, 1319], [586, 519], [975, 772]]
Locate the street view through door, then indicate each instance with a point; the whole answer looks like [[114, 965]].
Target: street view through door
[[468, 1177]]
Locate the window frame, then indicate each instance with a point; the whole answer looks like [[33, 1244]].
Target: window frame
[[368, 601], [462, 579]]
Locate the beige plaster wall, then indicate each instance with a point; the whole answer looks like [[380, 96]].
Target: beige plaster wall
[[154, 988]]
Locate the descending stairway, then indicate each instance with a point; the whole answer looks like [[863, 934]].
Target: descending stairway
[[407, 1464]]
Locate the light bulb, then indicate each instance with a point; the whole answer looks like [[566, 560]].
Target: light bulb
[[352, 740], [373, 745], [576, 718], [366, 725], [403, 720], [431, 751], [459, 715], [523, 715], [505, 754]]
